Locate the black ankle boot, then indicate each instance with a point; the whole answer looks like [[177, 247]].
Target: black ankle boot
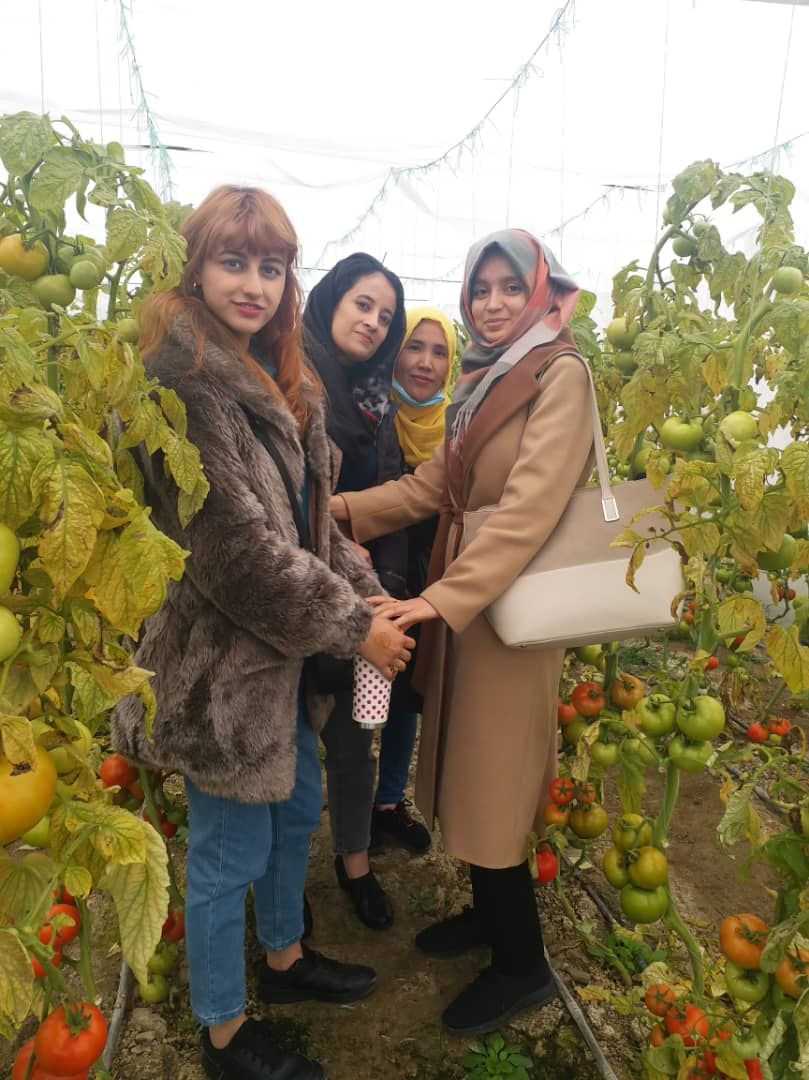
[[493, 998], [370, 901], [453, 936]]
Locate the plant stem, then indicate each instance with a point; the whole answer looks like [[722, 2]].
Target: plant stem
[[154, 817], [740, 345], [672, 788], [593, 945], [674, 922], [779, 689], [116, 278], [85, 958]]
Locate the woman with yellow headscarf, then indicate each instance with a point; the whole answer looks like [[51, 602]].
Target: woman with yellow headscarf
[[420, 396]]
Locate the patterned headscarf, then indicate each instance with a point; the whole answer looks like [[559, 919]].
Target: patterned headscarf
[[552, 297]]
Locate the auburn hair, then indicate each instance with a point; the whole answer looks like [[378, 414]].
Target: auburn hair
[[245, 219]]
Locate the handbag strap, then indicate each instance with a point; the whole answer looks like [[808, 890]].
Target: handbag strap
[[304, 536], [609, 505]]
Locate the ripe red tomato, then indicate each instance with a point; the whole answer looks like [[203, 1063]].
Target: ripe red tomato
[[174, 926], [116, 771], [547, 864], [20, 1070], [712, 663], [70, 1038], [565, 713], [626, 691], [39, 970], [64, 934], [562, 789], [753, 1069], [792, 974], [659, 998], [778, 725], [756, 732], [588, 698], [657, 1035], [585, 794], [742, 939], [689, 1021]]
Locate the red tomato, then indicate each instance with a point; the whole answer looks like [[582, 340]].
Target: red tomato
[[136, 790], [39, 970], [626, 691], [659, 998], [70, 1038], [562, 790], [742, 939], [657, 1035], [565, 712], [174, 926], [20, 1069], [588, 698], [585, 794], [756, 732], [753, 1067], [555, 815], [62, 896], [116, 771], [65, 933], [712, 663], [547, 864], [689, 1021], [778, 725]]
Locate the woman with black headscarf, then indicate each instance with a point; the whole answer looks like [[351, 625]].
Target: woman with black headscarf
[[354, 322]]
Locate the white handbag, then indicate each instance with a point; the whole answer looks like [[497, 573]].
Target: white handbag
[[574, 591]]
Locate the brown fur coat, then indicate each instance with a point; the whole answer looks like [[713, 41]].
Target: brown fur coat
[[227, 647]]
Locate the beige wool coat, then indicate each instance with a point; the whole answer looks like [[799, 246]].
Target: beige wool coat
[[488, 740]]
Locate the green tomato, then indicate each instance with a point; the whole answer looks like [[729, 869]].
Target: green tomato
[[782, 1000], [164, 959], [649, 868], [155, 990], [684, 246], [572, 732], [701, 718], [638, 750], [128, 331], [644, 905], [780, 559], [682, 435], [63, 761], [54, 289], [656, 715], [738, 426], [10, 634], [624, 361], [587, 822], [37, 835], [615, 868], [746, 1044], [787, 280], [631, 831], [620, 334], [85, 274], [723, 575], [9, 558], [588, 654], [749, 986], [604, 753], [689, 757]]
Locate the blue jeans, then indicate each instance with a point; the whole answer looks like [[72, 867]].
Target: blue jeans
[[395, 753], [231, 845]]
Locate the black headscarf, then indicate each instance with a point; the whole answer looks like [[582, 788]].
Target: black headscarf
[[358, 394]]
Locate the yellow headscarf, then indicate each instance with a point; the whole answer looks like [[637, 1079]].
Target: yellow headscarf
[[420, 428]]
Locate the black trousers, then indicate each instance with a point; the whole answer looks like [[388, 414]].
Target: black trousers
[[504, 900]]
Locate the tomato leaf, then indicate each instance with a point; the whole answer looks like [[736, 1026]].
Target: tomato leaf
[[789, 656], [795, 467], [50, 627], [24, 139], [78, 880], [740, 818], [741, 615], [71, 510], [126, 233], [22, 449], [141, 895], [16, 983], [22, 882], [17, 740], [57, 178]]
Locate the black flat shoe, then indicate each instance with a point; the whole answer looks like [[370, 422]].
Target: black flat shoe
[[370, 900], [253, 1055], [399, 827], [492, 999], [453, 936], [315, 978]]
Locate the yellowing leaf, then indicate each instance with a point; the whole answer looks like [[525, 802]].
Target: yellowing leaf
[[184, 463], [22, 882], [189, 504], [16, 981], [17, 740], [174, 410], [140, 892], [116, 834], [34, 402], [795, 466], [71, 510], [118, 682], [78, 881], [21, 450], [789, 656], [78, 437], [750, 469], [50, 627], [740, 615], [132, 571], [89, 699]]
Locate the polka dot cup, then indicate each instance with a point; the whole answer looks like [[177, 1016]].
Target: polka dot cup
[[371, 695]]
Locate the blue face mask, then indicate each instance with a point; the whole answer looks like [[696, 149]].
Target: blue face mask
[[436, 399]]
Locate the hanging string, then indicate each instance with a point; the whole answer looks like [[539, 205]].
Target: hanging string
[[562, 172], [755, 159], [605, 198], [41, 61], [467, 143], [511, 157], [98, 75], [662, 115], [783, 86], [161, 161]]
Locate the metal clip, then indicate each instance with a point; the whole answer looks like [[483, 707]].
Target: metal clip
[[610, 508]]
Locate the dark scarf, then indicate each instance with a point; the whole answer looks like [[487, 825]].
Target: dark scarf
[[358, 394]]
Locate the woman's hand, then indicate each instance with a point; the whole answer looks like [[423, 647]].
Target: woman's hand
[[338, 508], [403, 613], [386, 647]]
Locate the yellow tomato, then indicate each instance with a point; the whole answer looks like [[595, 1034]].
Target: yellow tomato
[[25, 794], [17, 259]]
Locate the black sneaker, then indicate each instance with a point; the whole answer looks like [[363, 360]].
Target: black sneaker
[[371, 902], [453, 936], [398, 826], [315, 978], [253, 1055], [493, 998]]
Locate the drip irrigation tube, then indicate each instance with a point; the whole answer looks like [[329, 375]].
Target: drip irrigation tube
[[125, 984], [604, 909], [580, 1021]]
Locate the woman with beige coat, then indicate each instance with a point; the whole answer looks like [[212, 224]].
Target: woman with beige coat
[[519, 437]]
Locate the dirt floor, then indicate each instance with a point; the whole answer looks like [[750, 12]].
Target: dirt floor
[[396, 1033]]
